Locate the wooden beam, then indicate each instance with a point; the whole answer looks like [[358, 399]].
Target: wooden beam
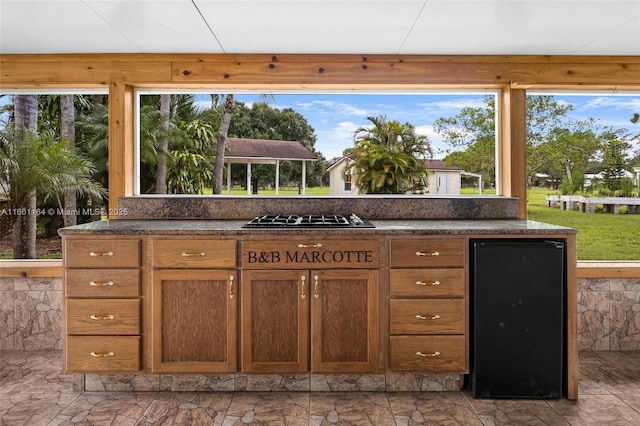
[[165, 70], [609, 270], [31, 269]]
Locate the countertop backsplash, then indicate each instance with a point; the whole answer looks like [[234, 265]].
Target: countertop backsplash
[[371, 207]]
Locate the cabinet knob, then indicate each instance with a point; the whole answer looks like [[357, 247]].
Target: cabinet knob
[[231, 287], [433, 354], [102, 354], [425, 283], [101, 317], [101, 283], [100, 253], [189, 254], [432, 317], [423, 253], [317, 245]]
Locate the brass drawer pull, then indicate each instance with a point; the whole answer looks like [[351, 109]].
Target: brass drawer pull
[[318, 245], [433, 317], [102, 354], [422, 253], [303, 287], [101, 317], [316, 287], [424, 283], [100, 253], [101, 283], [434, 354], [188, 254], [231, 288]]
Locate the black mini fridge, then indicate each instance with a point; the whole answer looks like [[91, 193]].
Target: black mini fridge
[[517, 318]]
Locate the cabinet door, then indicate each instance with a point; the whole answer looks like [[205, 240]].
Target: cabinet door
[[344, 324], [275, 321], [194, 321]]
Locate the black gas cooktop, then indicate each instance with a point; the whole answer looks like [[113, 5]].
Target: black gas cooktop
[[308, 221]]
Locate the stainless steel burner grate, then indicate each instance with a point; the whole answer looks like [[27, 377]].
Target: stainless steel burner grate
[[308, 221]]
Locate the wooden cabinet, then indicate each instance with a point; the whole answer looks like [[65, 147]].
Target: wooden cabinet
[[322, 320], [102, 305], [275, 321], [428, 305], [194, 307], [344, 321]]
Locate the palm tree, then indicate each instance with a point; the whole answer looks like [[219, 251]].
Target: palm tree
[[388, 157], [68, 134], [24, 226], [42, 163], [221, 140], [163, 146]]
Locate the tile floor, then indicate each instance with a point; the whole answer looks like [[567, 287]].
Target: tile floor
[[34, 392]]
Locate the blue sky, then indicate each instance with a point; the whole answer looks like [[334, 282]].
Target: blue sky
[[335, 117]]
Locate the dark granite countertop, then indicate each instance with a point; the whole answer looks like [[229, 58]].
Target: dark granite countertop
[[382, 227]]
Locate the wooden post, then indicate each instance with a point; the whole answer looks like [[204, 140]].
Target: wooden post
[[121, 145], [304, 177], [511, 167], [277, 176]]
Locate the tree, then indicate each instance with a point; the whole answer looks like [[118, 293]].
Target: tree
[[39, 163], [68, 135], [569, 148], [163, 145], [174, 132], [24, 226], [92, 138], [388, 157], [471, 134], [261, 121], [614, 157], [221, 141]]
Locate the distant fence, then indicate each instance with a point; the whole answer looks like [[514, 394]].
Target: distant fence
[[589, 204]]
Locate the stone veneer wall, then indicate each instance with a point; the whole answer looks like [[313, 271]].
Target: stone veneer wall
[[609, 314], [31, 314]]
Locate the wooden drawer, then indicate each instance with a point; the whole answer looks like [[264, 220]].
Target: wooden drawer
[[429, 354], [103, 316], [427, 253], [427, 316], [102, 283], [434, 282], [189, 253], [102, 353], [102, 253], [310, 253]]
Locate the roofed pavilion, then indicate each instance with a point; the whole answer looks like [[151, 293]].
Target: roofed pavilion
[[264, 151]]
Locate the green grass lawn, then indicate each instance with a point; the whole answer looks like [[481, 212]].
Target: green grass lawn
[[601, 236]]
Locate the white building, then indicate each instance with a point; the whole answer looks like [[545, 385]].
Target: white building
[[442, 180]]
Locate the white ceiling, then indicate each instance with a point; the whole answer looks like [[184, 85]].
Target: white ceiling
[[491, 27]]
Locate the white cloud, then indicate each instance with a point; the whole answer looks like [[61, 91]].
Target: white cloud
[[614, 102], [332, 107], [332, 141], [435, 139]]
